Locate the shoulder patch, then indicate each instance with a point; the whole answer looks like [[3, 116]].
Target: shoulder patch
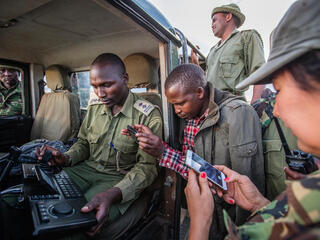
[[143, 106]]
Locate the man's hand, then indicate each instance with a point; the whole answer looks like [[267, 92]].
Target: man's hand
[[148, 142], [194, 56], [200, 205], [294, 175], [58, 158], [102, 203], [241, 191]]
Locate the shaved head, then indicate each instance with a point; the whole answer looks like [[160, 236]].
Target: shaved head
[[188, 76], [109, 59]]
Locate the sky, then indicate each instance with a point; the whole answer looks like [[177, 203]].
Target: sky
[[193, 19]]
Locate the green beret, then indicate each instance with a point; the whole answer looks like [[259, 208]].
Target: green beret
[[230, 8]]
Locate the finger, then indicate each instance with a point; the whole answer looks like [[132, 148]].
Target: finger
[[89, 206], [203, 182], [125, 132], [293, 174], [231, 176], [213, 191], [317, 162], [228, 199], [37, 152], [143, 129]]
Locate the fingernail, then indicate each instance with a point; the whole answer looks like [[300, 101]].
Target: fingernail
[[231, 201], [203, 175], [227, 179]]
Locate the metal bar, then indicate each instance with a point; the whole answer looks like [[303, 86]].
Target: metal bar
[[184, 46], [202, 57]]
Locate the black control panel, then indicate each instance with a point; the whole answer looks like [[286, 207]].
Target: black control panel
[[59, 207]]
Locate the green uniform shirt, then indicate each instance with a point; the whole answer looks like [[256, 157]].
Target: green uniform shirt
[[234, 59], [295, 214], [10, 100], [273, 151], [100, 128]]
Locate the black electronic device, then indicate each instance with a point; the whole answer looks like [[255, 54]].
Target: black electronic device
[[133, 133], [297, 160], [58, 207]]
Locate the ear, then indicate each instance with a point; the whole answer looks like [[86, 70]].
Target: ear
[[200, 92], [125, 78], [228, 17]]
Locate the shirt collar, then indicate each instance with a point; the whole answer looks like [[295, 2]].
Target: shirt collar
[[230, 36]]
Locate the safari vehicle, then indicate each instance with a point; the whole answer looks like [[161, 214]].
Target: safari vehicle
[[48, 40]]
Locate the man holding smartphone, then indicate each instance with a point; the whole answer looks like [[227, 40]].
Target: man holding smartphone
[[218, 126]]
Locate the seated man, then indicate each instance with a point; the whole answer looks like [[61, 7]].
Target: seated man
[[108, 167], [10, 92], [218, 126]]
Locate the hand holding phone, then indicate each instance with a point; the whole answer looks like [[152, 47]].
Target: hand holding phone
[[133, 133], [199, 165]]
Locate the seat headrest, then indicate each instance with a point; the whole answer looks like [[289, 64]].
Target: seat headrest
[[57, 78], [142, 70]]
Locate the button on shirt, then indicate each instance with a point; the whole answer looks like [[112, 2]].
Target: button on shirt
[[174, 159]]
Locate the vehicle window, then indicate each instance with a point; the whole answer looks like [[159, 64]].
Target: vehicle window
[[80, 83], [11, 91]]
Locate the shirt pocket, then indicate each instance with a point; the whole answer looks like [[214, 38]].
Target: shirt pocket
[[230, 67], [245, 150], [274, 158], [93, 140], [127, 148]]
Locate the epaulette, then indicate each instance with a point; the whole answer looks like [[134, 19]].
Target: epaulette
[[143, 106]]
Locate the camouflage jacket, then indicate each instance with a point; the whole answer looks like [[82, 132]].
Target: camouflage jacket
[[295, 214], [10, 100]]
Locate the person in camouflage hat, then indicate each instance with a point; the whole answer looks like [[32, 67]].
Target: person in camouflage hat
[[294, 69], [10, 92], [238, 53]]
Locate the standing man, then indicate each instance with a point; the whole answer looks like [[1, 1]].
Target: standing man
[[10, 92], [110, 168], [237, 55], [220, 127]]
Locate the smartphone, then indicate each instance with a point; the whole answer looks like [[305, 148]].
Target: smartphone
[[199, 165], [133, 133]]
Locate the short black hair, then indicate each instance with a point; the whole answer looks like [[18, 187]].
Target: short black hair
[[306, 70], [109, 58], [189, 76]]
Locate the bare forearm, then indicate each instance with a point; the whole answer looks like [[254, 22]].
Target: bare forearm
[[257, 90], [199, 231]]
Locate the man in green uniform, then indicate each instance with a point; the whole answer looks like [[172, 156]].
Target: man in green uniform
[[10, 92], [238, 53], [273, 151], [108, 167]]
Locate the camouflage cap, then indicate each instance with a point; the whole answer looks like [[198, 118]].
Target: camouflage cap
[[230, 8], [297, 33]]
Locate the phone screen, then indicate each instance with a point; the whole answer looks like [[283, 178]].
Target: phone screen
[[199, 165]]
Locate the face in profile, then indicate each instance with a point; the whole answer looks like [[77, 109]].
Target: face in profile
[[109, 84], [9, 77], [300, 111], [187, 102], [218, 24]]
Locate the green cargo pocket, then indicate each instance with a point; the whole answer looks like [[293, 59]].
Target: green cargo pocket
[[127, 149], [274, 158], [230, 66], [93, 144]]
